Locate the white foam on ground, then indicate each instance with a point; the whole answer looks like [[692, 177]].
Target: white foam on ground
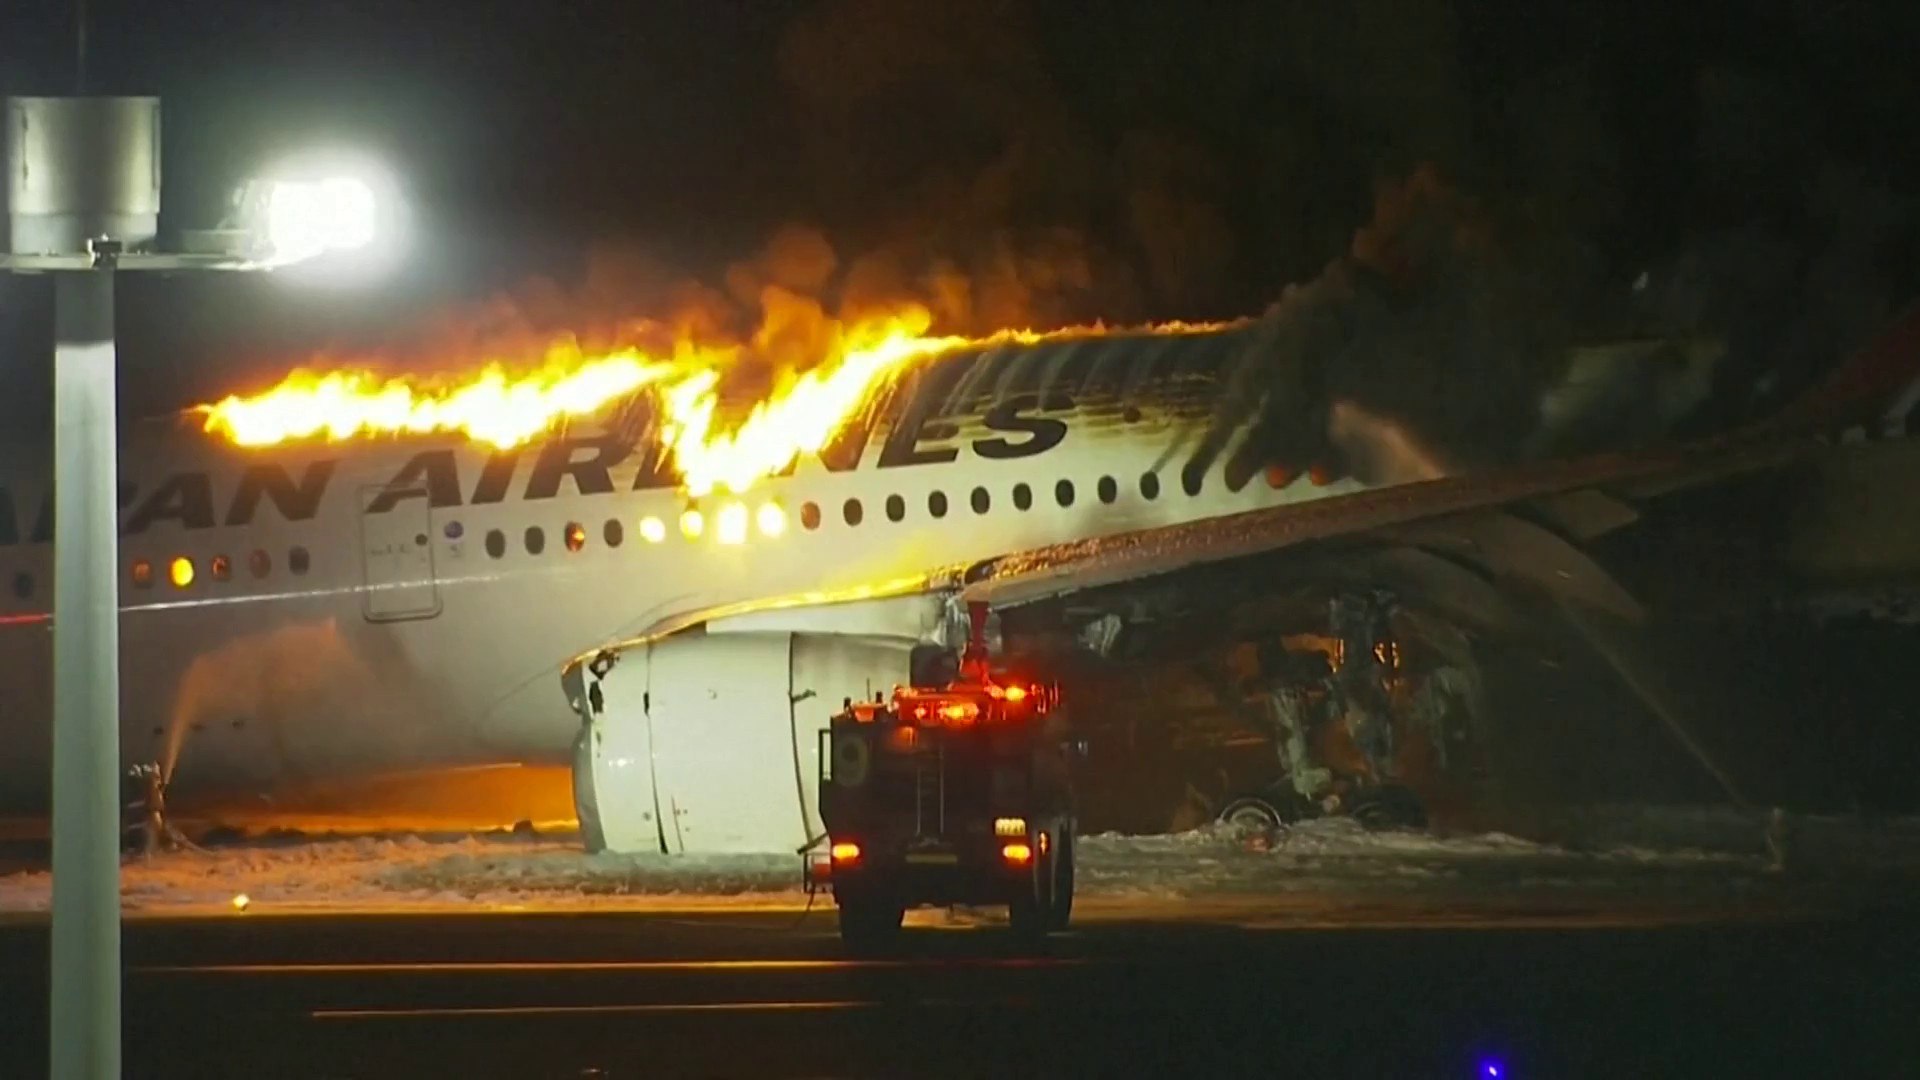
[[1620, 852]]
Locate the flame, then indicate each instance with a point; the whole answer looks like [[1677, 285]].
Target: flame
[[492, 407], [801, 416]]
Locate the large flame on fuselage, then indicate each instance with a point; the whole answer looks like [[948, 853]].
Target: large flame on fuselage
[[803, 413], [492, 407]]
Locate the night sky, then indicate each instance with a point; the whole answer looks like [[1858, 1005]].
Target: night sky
[[574, 162]]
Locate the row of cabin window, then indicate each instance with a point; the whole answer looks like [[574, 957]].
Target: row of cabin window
[[853, 513], [574, 536], [182, 572], [981, 500]]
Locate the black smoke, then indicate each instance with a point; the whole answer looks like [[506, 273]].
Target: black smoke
[[1436, 208], [1733, 174]]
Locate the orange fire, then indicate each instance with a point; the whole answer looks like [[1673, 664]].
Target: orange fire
[[492, 407], [801, 416]]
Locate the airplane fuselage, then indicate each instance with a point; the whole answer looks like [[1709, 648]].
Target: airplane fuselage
[[386, 605]]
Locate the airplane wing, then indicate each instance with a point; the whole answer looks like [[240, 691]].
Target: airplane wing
[[1517, 523], [1520, 524]]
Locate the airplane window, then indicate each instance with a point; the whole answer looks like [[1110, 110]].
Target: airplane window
[[896, 508], [1149, 486], [731, 524], [536, 540], [613, 533], [23, 585], [852, 512], [496, 543], [937, 504], [1063, 493], [297, 560], [810, 516], [221, 568], [982, 502], [259, 563], [1022, 497], [1191, 480], [1109, 489], [772, 519], [142, 573], [180, 571], [576, 536]]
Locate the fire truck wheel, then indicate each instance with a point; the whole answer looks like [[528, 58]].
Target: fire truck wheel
[[869, 922], [1030, 912], [1062, 907]]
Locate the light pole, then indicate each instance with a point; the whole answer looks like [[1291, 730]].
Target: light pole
[[84, 204]]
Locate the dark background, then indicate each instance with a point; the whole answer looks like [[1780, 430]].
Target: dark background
[[569, 162]]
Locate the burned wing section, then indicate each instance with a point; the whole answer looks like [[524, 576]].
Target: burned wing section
[[1366, 663]]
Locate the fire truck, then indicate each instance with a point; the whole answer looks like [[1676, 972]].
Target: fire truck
[[956, 794]]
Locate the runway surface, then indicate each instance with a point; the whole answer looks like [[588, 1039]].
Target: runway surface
[[1207, 990]]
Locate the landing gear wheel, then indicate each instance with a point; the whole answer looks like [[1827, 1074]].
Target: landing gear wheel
[[869, 923], [1389, 807], [1062, 907]]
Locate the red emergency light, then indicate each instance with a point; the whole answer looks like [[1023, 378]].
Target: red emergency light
[[966, 704]]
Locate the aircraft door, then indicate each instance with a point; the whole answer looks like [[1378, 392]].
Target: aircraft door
[[396, 553]]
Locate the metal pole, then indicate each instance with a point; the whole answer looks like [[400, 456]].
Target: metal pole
[[86, 685]]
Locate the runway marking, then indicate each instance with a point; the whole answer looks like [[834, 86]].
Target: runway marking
[[563, 1010], [486, 966]]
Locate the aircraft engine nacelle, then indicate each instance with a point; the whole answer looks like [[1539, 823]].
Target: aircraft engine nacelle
[[707, 742]]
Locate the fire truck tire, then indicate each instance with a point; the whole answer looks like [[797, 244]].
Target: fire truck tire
[[1031, 911], [869, 922], [1062, 908]]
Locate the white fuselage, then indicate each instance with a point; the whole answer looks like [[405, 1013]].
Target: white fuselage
[[403, 604]]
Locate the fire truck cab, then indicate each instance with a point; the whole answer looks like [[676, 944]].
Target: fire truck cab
[[954, 795]]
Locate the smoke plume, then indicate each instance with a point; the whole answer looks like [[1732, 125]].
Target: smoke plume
[[1431, 249]]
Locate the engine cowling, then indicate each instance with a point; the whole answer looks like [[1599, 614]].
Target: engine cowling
[[709, 742]]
